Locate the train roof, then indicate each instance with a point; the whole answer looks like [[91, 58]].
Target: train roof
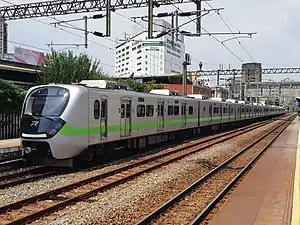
[[133, 93]]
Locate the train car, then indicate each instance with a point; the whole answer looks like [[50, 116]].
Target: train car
[[65, 123]]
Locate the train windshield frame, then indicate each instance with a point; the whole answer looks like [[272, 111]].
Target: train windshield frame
[[50, 101]]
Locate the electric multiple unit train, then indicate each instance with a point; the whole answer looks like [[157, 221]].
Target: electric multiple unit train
[[61, 123]]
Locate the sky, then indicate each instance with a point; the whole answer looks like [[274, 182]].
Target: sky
[[276, 43]]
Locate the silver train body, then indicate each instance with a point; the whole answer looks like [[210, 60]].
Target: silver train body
[[64, 121]]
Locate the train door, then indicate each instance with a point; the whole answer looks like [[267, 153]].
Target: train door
[[183, 114], [229, 112], [94, 117], [160, 115], [221, 112], [103, 118], [199, 114], [210, 113], [125, 127], [234, 111]]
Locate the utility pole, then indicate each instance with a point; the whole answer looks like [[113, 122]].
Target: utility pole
[[233, 85], [241, 90], [173, 30], [176, 24], [150, 20], [108, 18], [85, 32], [174, 14], [198, 22], [187, 61], [218, 77]]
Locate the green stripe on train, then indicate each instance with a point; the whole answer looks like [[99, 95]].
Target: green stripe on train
[[67, 130]]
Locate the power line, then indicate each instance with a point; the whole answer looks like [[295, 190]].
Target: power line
[[149, 54], [18, 43], [211, 35], [226, 24], [69, 32], [61, 28]]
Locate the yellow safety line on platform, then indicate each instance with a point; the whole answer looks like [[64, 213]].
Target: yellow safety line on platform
[[296, 194]]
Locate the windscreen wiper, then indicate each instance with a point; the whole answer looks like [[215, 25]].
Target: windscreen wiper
[[36, 117], [47, 117]]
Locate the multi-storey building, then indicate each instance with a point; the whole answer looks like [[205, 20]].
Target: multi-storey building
[[142, 57], [284, 92], [251, 72]]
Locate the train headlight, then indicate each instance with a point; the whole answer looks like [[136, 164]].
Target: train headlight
[[57, 125]]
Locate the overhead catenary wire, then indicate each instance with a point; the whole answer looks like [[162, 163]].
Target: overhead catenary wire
[[226, 24], [149, 54], [18, 43], [66, 31], [105, 38], [211, 35]]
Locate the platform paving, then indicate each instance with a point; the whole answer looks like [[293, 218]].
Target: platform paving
[[265, 196]]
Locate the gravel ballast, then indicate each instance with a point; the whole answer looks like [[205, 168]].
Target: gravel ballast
[[131, 201]]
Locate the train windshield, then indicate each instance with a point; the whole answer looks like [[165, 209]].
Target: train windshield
[[47, 102]]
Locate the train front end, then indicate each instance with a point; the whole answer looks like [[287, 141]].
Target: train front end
[[47, 114]]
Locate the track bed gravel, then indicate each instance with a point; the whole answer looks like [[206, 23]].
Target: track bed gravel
[[129, 202], [19, 192], [188, 208]]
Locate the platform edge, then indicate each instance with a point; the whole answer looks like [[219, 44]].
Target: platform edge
[[296, 192]]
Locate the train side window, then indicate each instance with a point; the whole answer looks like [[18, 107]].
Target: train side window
[[122, 110], [140, 110], [149, 110], [103, 108], [203, 109], [183, 109], [128, 110], [176, 110], [162, 110], [191, 109], [96, 109], [216, 110], [170, 110]]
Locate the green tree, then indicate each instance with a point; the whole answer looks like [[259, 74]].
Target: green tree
[[66, 68], [153, 85], [11, 96], [135, 86]]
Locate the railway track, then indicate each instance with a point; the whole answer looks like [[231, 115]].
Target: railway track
[[10, 165], [37, 206], [194, 203], [26, 175]]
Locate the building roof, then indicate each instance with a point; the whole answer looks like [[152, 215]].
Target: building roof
[[20, 67]]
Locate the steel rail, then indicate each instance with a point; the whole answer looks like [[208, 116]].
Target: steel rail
[[118, 171], [12, 164], [21, 173], [202, 215], [16, 178], [159, 211]]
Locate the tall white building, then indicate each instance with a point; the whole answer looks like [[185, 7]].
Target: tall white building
[[3, 38], [150, 57]]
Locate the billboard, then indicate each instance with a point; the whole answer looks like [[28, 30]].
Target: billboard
[[26, 56]]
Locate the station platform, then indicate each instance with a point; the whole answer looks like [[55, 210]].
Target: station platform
[[269, 194], [10, 145]]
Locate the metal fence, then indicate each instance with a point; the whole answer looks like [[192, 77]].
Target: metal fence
[[10, 125]]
